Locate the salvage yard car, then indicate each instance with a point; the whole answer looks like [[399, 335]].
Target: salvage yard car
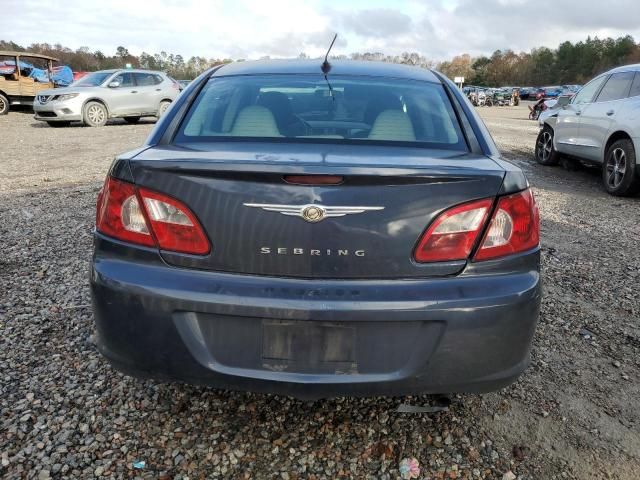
[[99, 96], [599, 126], [283, 230], [19, 83]]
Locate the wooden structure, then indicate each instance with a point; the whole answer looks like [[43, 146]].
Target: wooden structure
[[18, 88]]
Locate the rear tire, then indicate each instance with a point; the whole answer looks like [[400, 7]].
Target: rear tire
[[95, 114], [619, 169], [163, 107], [546, 154], [132, 120], [4, 105], [58, 124]]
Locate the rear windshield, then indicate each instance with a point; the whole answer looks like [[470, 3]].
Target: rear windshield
[[308, 108]]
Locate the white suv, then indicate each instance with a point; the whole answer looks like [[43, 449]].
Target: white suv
[[99, 96], [600, 125]]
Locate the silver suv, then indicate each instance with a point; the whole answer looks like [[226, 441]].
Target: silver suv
[[99, 96], [601, 125]]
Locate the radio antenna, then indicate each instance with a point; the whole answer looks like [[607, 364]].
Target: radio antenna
[[326, 66]]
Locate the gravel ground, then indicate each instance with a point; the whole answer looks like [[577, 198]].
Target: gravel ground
[[64, 413]]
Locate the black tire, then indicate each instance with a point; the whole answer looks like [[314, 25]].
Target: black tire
[[58, 124], [95, 114], [546, 154], [163, 107], [619, 169], [132, 120], [4, 105]]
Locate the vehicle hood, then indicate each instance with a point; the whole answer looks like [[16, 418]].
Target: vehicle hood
[[70, 89]]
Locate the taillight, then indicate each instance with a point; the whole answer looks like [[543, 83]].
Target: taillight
[[175, 227], [514, 227], [453, 234], [148, 218], [119, 215]]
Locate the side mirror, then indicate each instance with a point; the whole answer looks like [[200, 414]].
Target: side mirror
[[113, 84]]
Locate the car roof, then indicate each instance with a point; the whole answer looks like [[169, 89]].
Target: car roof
[[338, 67], [135, 70], [626, 68]]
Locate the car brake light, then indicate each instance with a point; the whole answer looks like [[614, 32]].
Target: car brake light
[[453, 234], [514, 227], [148, 218], [119, 215], [175, 227]]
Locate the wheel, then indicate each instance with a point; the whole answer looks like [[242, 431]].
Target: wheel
[[546, 154], [95, 114], [58, 124], [163, 107], [132, 120], [619, 169], [4, 105]]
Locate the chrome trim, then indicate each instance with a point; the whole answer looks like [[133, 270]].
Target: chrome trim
[[311, 213]]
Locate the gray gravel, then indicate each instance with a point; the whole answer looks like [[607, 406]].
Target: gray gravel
[[64, 413]]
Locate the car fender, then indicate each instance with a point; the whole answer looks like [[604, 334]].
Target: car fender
[[97, 99]]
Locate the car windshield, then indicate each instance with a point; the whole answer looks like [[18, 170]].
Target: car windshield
[[308, 108], [94, 79]]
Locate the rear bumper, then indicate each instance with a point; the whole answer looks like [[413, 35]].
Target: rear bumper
[[470, 333]]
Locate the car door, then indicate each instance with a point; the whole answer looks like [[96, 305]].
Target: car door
[[568, 120], [149, 91], [598, 118], [122, 99]]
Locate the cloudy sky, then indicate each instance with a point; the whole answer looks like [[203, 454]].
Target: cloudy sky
[[251, 29]]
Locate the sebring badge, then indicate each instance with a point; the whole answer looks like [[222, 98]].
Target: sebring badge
[[312, 213]]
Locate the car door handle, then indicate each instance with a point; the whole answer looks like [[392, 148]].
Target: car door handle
[[578, 113], [158, 89], [610, 112], [134, 91]]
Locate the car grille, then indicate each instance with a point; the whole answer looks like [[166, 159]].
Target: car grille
[[47, 114]]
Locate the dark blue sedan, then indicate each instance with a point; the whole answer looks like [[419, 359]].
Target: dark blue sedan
[[345, 231]]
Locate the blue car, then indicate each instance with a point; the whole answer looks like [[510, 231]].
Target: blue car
[[344, 229]]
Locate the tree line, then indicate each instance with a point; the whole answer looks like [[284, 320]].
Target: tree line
[[569, 63]]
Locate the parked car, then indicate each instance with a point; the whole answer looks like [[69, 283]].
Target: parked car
[[99, 96], [526, 92], [552, 92], [17, 84], [283, 231], [599, 126]]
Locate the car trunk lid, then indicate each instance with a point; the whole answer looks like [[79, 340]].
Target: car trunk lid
[[371, 220]]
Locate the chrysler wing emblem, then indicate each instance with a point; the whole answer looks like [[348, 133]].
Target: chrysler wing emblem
[[312, 213]]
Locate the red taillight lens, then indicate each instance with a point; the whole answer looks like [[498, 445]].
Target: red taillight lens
[[119, 215], [514, 227], [175, 227], [148, 218], [453, 234]]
